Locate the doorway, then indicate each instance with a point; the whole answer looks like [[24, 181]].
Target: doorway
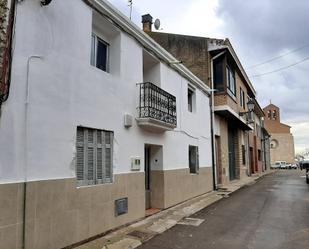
[[218, 159], [147, 177], [153, 166], [251, 160], [231, 149]]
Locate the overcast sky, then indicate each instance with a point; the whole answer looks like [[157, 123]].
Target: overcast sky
[[260, 31]]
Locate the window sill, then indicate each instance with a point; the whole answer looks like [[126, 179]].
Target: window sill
[[94, 185], [232, 96]]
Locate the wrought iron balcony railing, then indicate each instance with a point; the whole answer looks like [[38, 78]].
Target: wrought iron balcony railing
[[157, 104]]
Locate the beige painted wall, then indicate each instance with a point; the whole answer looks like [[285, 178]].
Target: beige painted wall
[[171, 187], [59, 214]]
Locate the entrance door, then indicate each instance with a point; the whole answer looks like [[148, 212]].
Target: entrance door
[[231, 148], [147, 177], [251, 160], [218, 160]]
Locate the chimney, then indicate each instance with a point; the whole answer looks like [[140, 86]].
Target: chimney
[[147, 22]]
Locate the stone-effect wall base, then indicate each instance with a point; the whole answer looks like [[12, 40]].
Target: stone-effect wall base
[[59, 214], [171, 187]]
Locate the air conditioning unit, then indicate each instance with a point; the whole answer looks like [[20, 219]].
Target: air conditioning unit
[[128, 120]]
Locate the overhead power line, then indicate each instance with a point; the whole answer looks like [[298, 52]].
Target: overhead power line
[[278, 57], [281, 68]]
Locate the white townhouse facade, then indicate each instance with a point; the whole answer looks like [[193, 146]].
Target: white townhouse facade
[[101, 124]]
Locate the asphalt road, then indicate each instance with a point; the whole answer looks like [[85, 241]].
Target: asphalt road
[[271, 214]]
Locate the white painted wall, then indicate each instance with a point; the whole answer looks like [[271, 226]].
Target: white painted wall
[[37, 140]]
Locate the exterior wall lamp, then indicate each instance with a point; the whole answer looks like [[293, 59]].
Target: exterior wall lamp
[[249, 113]]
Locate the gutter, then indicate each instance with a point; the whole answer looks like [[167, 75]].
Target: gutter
[[212, 118], [27, 102], [122, 22]]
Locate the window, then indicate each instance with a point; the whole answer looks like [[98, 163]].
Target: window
[[94, 156], [259, 155], [269, 114], [243, 154], [242, 98], [218, 74], [258, 130], [190, 99], [274, 114], [193, 159], [230, 77], [99, 53]]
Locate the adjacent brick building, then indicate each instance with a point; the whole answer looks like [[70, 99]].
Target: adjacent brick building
[[282, 141], [215, 62]]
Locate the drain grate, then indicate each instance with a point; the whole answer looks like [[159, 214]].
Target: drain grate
[[141, 235], [191, 222]]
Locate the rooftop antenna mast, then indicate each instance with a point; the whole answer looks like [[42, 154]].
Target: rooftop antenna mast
[[130, 3]]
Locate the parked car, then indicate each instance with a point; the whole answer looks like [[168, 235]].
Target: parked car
[[282, 164], [288, 165], [276, 165], [294, 166]]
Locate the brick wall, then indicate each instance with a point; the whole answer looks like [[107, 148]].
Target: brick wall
[[192, 51]]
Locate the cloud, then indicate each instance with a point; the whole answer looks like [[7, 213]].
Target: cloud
[[261, 30]]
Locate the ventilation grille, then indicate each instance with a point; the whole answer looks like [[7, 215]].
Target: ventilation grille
[[121, 206]]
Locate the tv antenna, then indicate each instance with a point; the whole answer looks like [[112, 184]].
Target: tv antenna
[[130, 3], [157, 24]]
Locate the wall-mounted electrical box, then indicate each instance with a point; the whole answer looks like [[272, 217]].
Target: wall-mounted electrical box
[[135, 163]]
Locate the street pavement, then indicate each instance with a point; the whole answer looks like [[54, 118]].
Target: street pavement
[[271, 214]]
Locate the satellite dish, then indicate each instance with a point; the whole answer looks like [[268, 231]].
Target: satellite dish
[[157, 24]]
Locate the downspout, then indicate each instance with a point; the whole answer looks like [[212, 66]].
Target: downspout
[[212, 118], [27, 102]]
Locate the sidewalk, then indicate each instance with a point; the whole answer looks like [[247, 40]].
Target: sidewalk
[[134, 235]]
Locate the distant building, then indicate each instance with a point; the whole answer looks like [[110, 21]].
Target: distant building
[[282, 141]]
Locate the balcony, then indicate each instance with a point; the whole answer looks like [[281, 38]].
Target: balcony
[[157, 108]]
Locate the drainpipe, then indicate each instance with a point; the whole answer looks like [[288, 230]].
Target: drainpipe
[[212, 118], [27, 101]]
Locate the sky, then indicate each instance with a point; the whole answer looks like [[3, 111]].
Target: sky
[[270, 37]]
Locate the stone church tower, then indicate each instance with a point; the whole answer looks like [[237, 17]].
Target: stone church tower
[[282, 141]]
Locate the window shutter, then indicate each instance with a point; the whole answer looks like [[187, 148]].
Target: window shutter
[[108, 156], [90, 156], [100, 164], [94, 156], [80, 155]]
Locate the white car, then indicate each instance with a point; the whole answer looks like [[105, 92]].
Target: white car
[[294, 166], [281, 164]]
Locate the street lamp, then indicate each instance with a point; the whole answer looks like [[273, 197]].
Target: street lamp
[[250, 105]]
